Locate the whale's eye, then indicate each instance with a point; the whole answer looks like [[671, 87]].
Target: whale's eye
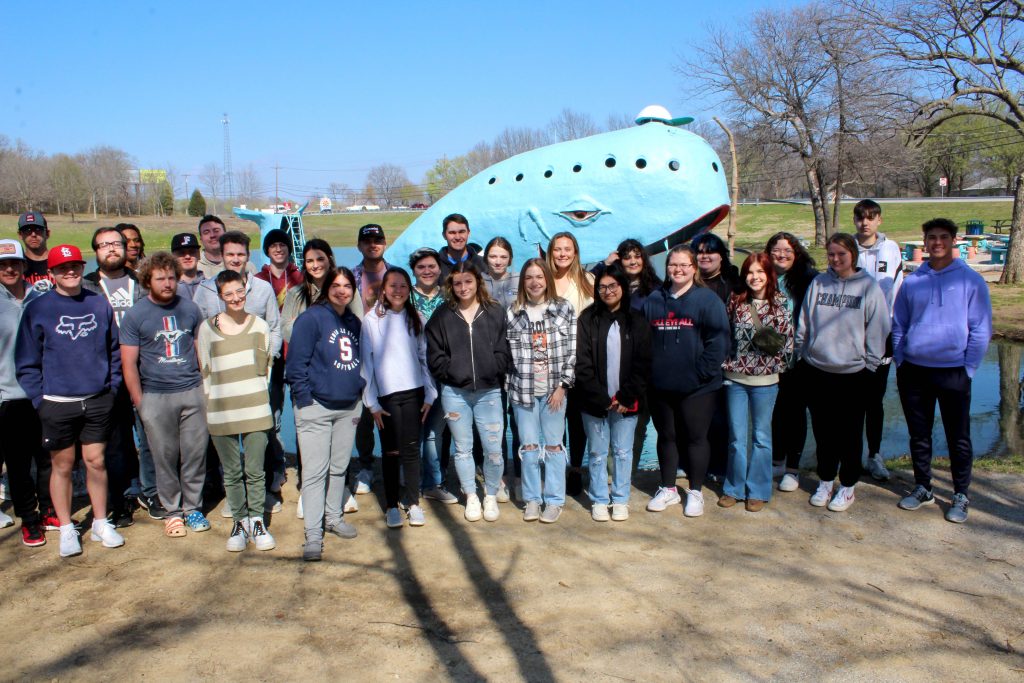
[[579, 214]]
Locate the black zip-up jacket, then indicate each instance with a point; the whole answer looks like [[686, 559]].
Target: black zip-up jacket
[[592, 358], [465, 356]]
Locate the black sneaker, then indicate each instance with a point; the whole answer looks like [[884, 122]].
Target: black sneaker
[[32, 534], [153, 506], [121, 518]]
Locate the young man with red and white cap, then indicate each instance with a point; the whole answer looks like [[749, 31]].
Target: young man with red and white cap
[[68, 362], [34, 233], [21, 445]]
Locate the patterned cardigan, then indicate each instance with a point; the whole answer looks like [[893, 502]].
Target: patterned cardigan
[[560, 326], [744, 359]]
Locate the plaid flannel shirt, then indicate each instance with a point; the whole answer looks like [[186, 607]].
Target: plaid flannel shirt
[[560, 326]]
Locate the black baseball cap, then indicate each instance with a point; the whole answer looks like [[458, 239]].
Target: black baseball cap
[[370, 231], [31, 219], [184, 240]]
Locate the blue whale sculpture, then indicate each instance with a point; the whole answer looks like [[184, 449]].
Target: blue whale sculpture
[[653, 182], [291, 223]]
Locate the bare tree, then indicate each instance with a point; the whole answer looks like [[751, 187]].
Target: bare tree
[[248, 186], [513, 141], [965, 58], [212, 177], [340, 193], [572, 125], [106, 176], [68, 182], [386, 180], [619, 121]]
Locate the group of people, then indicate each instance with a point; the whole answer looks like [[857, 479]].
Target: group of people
[[188, 354]]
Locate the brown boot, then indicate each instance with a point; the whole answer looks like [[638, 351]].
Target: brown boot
[[754, 505], [726, 502]]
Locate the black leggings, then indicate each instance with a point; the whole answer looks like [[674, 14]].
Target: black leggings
[[21, 445], [838, 421], [681, 418], [576, 433], [400, 446], [789, 419], [875, 410]]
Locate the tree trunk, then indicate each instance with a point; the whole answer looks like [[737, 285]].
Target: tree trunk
[[817, 204], [735, 203], [1013, 269], [1011, 427]]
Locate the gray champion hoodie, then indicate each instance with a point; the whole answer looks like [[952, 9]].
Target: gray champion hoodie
[[843, 323]]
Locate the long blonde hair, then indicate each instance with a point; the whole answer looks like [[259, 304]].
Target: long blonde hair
[[576, 273], [522, 298]]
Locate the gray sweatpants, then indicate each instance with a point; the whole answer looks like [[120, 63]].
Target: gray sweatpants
[[325, 439], [176, 430]]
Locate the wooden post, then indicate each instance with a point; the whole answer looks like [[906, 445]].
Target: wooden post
[[735, 203]]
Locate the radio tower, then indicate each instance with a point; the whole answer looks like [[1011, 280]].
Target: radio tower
[[228, 175]]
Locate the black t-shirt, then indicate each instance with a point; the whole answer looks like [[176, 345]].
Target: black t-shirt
[[36, 271]]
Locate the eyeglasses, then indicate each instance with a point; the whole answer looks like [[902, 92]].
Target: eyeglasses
[[36, 229], [605, 289], [782, 252], [109, 245], [680, 266]]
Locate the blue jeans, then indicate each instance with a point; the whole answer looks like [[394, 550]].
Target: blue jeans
[[749, 474], [431, 475], [616, 430], [538, 427], [463, 408]]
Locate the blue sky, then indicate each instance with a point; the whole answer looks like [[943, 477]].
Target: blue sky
[[333, 88]]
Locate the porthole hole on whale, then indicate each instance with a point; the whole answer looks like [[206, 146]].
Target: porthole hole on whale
[[641, 163], [548, 173], [714, 166], [673, 165], [610, 162], [519, 177], [577, 168], [492, 181]]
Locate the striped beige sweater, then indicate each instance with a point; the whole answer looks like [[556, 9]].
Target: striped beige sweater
[[235, 371]]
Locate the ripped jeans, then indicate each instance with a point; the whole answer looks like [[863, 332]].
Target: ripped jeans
[[463, 407], [541, 427]]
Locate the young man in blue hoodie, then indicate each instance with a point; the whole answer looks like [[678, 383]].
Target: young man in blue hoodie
[[942, 323], [68, 362]]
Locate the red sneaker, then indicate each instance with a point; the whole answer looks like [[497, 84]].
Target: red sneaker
[[32, 535], [50, 521]]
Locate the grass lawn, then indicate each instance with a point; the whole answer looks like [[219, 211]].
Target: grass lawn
[[1008, 464]]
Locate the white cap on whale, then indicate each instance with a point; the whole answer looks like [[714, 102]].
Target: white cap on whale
[[656, 112]]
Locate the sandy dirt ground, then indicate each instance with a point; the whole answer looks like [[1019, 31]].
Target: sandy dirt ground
[[794, 592]]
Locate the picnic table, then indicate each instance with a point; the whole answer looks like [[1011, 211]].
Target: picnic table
[[1000, 223]]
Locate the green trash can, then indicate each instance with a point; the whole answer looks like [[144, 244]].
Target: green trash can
[[975, 227]]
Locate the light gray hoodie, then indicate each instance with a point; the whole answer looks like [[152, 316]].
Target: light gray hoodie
[[10, 317], [843, 323]]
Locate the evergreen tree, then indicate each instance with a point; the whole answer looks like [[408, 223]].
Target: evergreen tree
[[197, 204], [166, 199]]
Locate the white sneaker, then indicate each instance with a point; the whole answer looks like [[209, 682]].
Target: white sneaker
[[620, 512], [663, 498], [238, 539], [298, 508], [69, 544], [261, 538], [821, 496], [104, 531], [877, 469], [473, 512], [842, 500], [502, 494], [364, 480], [778, 471], [350, 503], [531, 513], [694, 503], [599, 512], [394, 518], [272, 502], [416, 517], [5, 520], [225, 511], [491, 511], [441, 495], [789, 482]]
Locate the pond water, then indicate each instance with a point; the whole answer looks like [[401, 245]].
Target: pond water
[[997, 423]]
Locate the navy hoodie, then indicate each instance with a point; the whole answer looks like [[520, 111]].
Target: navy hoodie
[[690, 339], [68, 346], [323, 362]]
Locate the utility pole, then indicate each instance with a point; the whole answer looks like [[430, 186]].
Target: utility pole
[[228, 174], [187, 197], [277, 192]]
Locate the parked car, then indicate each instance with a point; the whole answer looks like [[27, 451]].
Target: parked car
[[418, 205]]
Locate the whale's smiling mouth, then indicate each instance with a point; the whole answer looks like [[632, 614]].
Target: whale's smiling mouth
[[688, 232]]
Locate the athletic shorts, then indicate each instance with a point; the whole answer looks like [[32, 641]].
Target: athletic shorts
[[88, 421]]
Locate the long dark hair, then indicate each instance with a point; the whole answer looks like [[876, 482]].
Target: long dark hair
[[306, 294], [710, 243], [799, 276], [648, 279], [412, 316], [617, 273], [348, 275], [483, 296]]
